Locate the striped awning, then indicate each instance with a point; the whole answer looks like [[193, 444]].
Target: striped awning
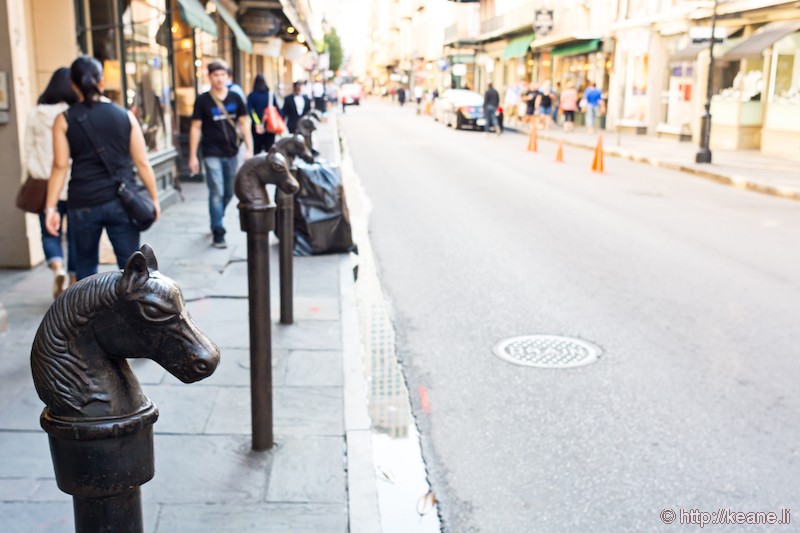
[[243, 42]]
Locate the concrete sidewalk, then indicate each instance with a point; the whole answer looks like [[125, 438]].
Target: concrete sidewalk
[[745, 169], [317, 478]]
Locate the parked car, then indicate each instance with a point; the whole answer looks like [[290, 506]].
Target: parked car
[[351, 94], [459, 108]]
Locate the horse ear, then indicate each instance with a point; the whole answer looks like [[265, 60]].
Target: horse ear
[[150, 256], [135, 274]]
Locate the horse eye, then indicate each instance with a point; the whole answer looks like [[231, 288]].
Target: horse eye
[[154, 313]]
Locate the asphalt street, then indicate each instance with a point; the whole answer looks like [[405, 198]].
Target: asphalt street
[[689, 287]]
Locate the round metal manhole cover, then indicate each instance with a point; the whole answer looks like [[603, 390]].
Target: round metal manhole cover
[[547, 351]]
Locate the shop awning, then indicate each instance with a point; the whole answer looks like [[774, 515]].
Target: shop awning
[[242, 41], [689, 53], [576, 48], [195, 16], [765, 37], [518, 47]]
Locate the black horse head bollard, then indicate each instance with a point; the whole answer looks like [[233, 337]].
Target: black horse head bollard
[[306, 127], [100, 424], [294, 146], [257, 218]]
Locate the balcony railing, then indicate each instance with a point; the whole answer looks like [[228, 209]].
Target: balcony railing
[[512, 20], [460, 32]]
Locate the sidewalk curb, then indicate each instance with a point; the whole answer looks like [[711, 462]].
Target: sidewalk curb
[[739, 182], [362, 489]]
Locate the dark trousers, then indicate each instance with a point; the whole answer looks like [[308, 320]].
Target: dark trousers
[[86, 225], [262, 143]]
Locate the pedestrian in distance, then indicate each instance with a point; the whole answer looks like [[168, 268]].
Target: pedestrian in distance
[[219, 125], [318, 93], [569, 105], [401, 96], [55, 99], [544, 107], [295, 106], [418, 92], [530, 99], [257, 103], [556, 102], [491, 101], [96, 134], [593, 98], [511, 101]]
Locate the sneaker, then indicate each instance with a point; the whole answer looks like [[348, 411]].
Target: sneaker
[[59, 280], [219, 241]]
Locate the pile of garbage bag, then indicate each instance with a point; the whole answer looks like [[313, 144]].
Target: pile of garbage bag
[[321, 218]]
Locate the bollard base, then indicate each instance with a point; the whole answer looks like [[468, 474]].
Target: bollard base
[[121, 513]]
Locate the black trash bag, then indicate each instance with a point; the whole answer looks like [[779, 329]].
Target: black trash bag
[[321, 218]]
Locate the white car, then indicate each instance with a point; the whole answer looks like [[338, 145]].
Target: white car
[[459, 108], [351, 94]]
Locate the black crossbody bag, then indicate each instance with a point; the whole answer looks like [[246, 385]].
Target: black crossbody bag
[[135, 198]]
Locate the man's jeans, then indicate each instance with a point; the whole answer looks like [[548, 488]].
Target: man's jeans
[[85, 226], [490, 114], [220, 172], [591, 114]]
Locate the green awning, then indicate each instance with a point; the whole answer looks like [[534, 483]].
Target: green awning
[[195, 16], [577, 47], [518, 47], [242, 41]]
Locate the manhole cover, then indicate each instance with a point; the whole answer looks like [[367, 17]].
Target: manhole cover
[[547, 351]]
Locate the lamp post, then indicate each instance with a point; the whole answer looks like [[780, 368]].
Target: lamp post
[[704, 154]]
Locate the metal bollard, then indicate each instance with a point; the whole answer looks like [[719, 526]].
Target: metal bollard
[[285, 248], [99, 422], [257, 219], [290, 147]]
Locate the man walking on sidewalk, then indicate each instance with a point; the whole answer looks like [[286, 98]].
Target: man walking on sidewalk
[[491, 100], [220, 120]]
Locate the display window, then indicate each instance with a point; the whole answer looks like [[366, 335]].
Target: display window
[[131, 39]]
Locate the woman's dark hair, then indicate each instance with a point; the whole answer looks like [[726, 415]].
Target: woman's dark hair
[[260, 84], [59, 89], [86, 72]]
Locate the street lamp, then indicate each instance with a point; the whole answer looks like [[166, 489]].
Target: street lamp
[[704, 154]]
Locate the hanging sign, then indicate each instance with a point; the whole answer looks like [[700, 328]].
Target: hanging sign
[[543, 22], [259, 23]]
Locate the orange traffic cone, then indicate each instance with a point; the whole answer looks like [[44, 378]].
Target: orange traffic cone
[[533, 140], [597, 162], [560, 152]]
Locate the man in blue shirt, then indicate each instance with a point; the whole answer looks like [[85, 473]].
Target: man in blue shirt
[[592, 97]]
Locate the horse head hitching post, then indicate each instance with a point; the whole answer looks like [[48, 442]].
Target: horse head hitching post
[[257, 219], [99, 422]]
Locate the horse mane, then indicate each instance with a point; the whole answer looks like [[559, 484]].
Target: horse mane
[[59, 374]]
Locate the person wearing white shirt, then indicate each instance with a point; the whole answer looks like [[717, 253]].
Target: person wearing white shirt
[[295, 106], [318, 92]]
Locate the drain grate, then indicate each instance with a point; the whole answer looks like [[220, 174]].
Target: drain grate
[[547, 351]]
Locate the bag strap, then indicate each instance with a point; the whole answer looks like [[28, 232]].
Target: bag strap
[[227, 116], [83, 120]]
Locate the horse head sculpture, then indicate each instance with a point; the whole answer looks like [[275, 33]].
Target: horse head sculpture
[[79, 354], [259, 171], [294, 146], [306, 127], [316, 115]]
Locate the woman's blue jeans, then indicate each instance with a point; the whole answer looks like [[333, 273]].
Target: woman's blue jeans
[[52, 244], [86, 225]]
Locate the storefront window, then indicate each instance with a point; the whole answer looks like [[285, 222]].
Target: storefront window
[[786, 88], [147, 72], [141, 81]]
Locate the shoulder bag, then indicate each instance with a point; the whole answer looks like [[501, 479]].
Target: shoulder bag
[[272, 118], [135, 198], [228, 119], [32, 195]]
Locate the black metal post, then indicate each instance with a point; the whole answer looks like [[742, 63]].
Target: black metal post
[[704, 154], [285, 260], [258, 220]]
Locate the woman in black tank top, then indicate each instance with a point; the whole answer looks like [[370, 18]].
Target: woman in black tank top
[[92, 201]]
